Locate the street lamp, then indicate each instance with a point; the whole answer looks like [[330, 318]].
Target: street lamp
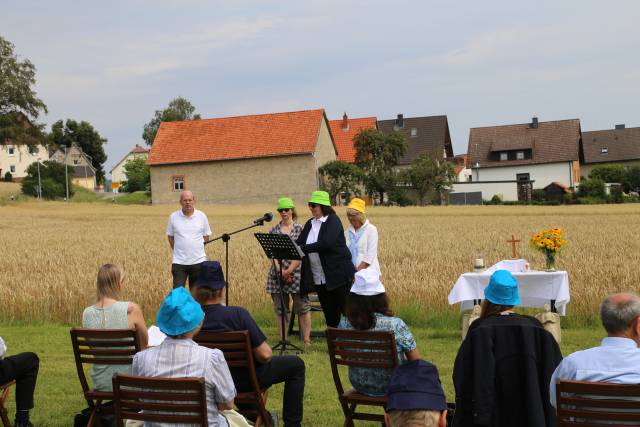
[[39, 182], [66, 176]]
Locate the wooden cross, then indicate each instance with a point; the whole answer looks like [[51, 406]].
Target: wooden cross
[[513, 242]]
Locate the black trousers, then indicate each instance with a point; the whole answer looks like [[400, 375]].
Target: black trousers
[[23, 368], [287, 369], [332, 303], [182, 272]]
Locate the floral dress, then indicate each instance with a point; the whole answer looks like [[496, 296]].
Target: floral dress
[[273, 285], [372, 381]]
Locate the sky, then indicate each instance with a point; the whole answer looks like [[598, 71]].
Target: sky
[[481, 63]]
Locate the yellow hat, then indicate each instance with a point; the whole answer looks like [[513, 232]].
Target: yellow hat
[[357, 205]]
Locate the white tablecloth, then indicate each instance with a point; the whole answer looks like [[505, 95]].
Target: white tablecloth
[[536, 288]]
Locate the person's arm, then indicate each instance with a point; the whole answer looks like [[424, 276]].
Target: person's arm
[[413, 354], [207, 230], [371, 251], [170, 241], [262, 353], [170, 232], [328, 236], [564, 371], [288, 272], [218, 374], [136, 320]]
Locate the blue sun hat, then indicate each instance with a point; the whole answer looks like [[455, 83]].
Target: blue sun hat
[[502, 289], [179, 313]]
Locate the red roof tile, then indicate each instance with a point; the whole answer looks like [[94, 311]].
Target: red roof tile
[[262, 135], [344, 137]]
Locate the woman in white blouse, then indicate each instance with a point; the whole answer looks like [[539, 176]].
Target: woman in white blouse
[[361, 237]]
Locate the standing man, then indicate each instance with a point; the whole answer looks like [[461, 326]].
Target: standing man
[[188, 230]]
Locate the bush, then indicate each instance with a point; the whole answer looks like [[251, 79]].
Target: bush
[[496, 200], [588, 200], [616, 194], [592, 187], [52, 177], [538, 195], [8, 177]]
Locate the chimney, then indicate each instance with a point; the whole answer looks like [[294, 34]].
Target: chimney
[[345, 122], [620, 126], [534, 123], [400, 121]]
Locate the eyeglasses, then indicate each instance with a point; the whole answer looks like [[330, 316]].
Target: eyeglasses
[[284, 210], [312, 205]]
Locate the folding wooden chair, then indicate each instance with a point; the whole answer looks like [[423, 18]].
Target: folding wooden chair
[[166, 400], [104, 347], [4, 394], [362, 349], [237, 350], [597, 404]]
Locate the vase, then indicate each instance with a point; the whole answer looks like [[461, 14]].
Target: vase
[[550, 261]]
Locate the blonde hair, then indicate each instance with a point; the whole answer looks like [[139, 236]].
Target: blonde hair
[[361, 217], [110, 276], [414, 418]]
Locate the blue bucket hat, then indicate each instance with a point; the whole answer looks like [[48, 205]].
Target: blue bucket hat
[[179, 313], [502, 289], [415, 386], [210, 276]]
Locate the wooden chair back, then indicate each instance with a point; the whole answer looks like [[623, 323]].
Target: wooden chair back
[[597, 404], [237, 350], [4, 394], [361, 349], [166, 400]]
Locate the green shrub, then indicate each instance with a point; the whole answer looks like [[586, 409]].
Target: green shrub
[[592, 187], [8, 177]]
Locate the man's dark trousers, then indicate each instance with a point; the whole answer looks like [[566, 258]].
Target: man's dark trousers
[[23, 368], [181, 272]]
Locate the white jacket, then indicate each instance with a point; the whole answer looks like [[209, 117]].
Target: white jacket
[[367, 245]]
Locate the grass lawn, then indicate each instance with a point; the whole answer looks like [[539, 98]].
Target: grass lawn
[[58, 393]]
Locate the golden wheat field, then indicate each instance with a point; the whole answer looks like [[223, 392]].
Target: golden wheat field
[[50, 252]]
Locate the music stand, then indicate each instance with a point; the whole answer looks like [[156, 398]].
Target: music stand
[[280, 247]]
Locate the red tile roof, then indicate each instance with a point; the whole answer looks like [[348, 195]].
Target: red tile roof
[[262, 135], [344, 137]]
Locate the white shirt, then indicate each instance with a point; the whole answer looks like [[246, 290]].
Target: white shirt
[[187, 233], [184, 358], [314, 257], [3, 348], [367, 246], [616, 360]]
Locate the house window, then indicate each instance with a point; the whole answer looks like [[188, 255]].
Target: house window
[[12, 151], [12, 168], [76, 161], [523, 177], [504, 156], [604, 150], [414, 132], [178, 183], [520, 155]]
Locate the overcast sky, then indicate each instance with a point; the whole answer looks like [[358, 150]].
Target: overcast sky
[[113, 63]]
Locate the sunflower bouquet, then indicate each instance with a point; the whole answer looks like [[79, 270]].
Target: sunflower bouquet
[[549, 242]]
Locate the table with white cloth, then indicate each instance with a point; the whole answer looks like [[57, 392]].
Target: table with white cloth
[[536, 288]]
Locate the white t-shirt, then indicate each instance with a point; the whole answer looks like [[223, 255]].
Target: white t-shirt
[[187, 233], [314, 257]]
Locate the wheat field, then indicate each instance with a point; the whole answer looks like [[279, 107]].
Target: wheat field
[[50, 252]]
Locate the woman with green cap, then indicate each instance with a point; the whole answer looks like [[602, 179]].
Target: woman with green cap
[[291, 274], [327, 268]]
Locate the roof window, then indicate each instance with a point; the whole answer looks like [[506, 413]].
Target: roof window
[[604, 150], [414, 132], [504, 156]]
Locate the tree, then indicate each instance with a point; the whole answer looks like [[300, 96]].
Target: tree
[[610, 173], [138, 176], [84, 136], [633, 178], [378, 154], [52, 177], [179, 109], [340, 177], [427, 175], [592, 187], [19, 105]]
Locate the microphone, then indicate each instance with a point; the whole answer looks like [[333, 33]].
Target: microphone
[[265, 218]]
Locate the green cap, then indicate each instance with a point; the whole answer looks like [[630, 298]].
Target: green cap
[[285, 203], [320, 198]]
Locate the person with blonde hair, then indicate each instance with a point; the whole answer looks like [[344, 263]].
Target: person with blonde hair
[[361, 237], [110, 313]]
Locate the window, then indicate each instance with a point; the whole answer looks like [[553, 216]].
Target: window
[[604, 150], [76, 161], [519, 155], [523, 177], [178, 183], [12, 168], [414, 132], [12, 151], [504, 156]]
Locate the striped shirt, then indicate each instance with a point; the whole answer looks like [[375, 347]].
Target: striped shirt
[[176, 358]]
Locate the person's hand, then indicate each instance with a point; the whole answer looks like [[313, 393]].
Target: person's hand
[[286, 275]]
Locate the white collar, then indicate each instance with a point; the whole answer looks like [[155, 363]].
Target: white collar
[[323, 219], [183, 215], [354, 231], [618, 342]]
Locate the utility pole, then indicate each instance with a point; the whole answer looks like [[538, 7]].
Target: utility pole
[[39, 182], [66, 174]]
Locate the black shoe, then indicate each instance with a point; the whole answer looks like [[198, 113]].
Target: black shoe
[[27, 424]]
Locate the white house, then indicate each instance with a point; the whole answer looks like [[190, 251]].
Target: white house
[[81, 170], [511, 161], [16, 158], [117, 172]]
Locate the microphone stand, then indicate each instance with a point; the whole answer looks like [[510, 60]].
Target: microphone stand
[[225, 238]]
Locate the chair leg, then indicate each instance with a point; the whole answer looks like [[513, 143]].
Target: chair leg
[[4, 416]]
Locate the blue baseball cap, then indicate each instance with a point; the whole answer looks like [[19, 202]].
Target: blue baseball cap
[[415, 386], [210, 276], [502, 289], [179, 313]]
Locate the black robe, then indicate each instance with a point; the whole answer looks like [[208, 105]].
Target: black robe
[[502, 372]]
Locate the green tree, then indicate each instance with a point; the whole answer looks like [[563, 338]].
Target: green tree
[[340, 177], [84, 136], [52, 178], [592, 187], [610, 173], [427, 175], [19, 105], [377, 154], [178, 109], [138, 176], [633, 178]]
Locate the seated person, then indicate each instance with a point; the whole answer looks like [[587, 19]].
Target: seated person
[[502, 370], [23, 369], [617, 359], [367, 309], [180, 318], [209, 291], [416, 398]]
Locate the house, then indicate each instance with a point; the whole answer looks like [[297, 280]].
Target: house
[[16, 158], [81, 171], [424, 135], [461, 168], [117, 172], [620, 146], [345, 130], [245, 159], [511, 160]]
